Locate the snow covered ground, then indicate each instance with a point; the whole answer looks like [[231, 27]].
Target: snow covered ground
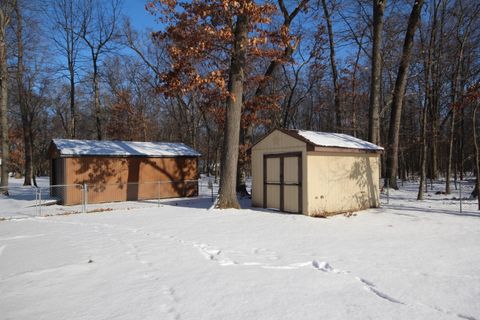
[[406, 260]]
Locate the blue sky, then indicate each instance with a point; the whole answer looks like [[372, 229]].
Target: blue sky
[[141, 19]]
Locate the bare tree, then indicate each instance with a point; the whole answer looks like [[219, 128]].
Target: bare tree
[[24, 112], [67, 24], [398, 94], [465, 22], [476, 152], [333, 65], [246, 135], [428, 94], [98, 29], [6, 10], [376, 77]]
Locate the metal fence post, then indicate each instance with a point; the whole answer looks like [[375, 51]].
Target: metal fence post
[[36, 201], [460, 182], [210, 186], [85, 197], [40, 201], [158, 193], [388, 191]]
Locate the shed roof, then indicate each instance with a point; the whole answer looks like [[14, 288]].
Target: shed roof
[[338, 140], [317, 140], [70, 147]]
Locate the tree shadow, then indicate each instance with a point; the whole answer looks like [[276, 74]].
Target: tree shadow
[[431, 211], [361, 172], [131, 178], [20, 193], [200, 202], [134, 178]]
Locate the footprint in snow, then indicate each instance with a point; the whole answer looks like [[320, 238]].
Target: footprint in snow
[[366, 282], [208, 252], [369, 286], [462, 316], [266, 253], [322, 266]]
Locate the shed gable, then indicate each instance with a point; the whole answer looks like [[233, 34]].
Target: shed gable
[[278, 141]]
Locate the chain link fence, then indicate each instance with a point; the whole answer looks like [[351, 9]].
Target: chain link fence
[[18, 201], [49, 200]]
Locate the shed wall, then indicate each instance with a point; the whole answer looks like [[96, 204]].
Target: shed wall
[[342, 182], [130, 178], [57, 177], [276, 142]]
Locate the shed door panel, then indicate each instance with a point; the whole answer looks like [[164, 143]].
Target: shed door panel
[[273, 170], [282, 182], [273, 196], [291, 199], [273, 183], [291, 184], [290, 170]]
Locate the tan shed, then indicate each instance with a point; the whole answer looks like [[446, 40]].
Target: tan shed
[[121, 170], [315, 173]]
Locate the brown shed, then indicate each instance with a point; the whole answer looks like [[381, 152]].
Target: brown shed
[[121, 170], [315, 173]]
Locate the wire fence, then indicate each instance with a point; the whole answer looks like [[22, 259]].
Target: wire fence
[[29, 201], [433, 190], [18, 201]]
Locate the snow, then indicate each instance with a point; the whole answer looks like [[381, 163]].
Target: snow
[[122, 148], [328, 139], [407, 260]]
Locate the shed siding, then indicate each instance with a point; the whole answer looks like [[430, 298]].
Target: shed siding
[[276, 142], [129, 178], [71, 194], [342, 182]]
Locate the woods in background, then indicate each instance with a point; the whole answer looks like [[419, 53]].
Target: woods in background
[[402, 74]]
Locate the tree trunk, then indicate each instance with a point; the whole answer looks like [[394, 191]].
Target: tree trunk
[[376, 77], [477, 157], [398, 94], [26, 123], [434, 114], [333, 65], [354, 92], [450, 151], [71, 59], [462, 143], [423, 165], [228, 174], [72, 126], [437, 85], [4, 21], [427, 102], [455, 94], [96, 99], [32, 143]]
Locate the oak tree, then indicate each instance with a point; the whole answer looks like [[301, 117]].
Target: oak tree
[[210, 43]]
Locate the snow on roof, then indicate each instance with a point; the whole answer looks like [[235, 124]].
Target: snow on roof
[[339, 140], [122, 148]]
